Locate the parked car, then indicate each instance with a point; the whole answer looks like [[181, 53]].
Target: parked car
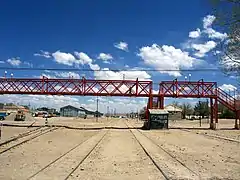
[[3, 115]]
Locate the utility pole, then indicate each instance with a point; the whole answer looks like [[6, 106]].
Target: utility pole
[[97, 110], [108, 112]]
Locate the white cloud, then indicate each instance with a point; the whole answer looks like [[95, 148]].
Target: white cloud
[[14, 61], [215, 35], [228, 87], [237, 96], [94, 67], [46, 75], [203, 48], [105, 57], [2, 62], [128, 75], [121, 104], [67, 58], [122, 45], [166, 58], [83, 58], [56, 74], [41, 100], [64, 58], [217, 52], [208, 20], [43, 54], [155, 91], [195, 34], [67, 75]]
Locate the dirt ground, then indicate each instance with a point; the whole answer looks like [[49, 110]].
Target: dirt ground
[[122, 150]]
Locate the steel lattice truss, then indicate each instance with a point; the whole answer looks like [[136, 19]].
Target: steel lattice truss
[[82, 87], [128, 88], [188, 89], [198, 89], [227, 100]]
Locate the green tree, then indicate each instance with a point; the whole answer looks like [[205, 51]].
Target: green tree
[[227, 13], [186, 109], [202, 108], [225, 112]]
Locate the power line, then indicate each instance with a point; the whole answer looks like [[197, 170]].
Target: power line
[[115, 70]]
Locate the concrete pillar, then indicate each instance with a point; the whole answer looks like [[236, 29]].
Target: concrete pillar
[[162, 102], [237, 125], [159, 103], [216, 110], [237, 120], [215, 113], [212, 124]]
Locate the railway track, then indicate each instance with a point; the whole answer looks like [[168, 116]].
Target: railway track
[[24, 138], [212, 136], [149, 156], [64, 155], [163, 170], [19, 136], [86, 156]]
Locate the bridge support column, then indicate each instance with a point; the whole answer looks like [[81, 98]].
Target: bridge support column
[[237, 120], [149, 106], [161, 101], [214, 113]]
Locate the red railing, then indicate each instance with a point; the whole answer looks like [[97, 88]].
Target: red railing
[[89, 87], [192, 89], [226, 99], [197, 89], [84, 87]]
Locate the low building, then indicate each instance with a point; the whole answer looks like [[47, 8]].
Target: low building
[[175, 113], [12, 108], [71, 111], [91, 113]]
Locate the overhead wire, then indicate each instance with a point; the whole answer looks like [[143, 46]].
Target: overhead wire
[[116, 70]]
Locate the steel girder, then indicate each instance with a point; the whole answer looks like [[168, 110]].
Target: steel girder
[[198, 89], [83, 87]]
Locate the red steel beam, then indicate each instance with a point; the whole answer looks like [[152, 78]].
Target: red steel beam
[[188, 89], [128, 88], [82, 87]]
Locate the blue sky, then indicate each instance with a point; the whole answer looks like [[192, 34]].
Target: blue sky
[[110, 34]]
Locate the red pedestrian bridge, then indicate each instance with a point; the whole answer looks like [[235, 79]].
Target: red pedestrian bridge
[[127, 88]]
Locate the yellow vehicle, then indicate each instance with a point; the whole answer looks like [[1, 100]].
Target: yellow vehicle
[[20, 116]]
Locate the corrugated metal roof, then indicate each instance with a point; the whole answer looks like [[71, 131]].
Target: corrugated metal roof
[[157, 111]]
